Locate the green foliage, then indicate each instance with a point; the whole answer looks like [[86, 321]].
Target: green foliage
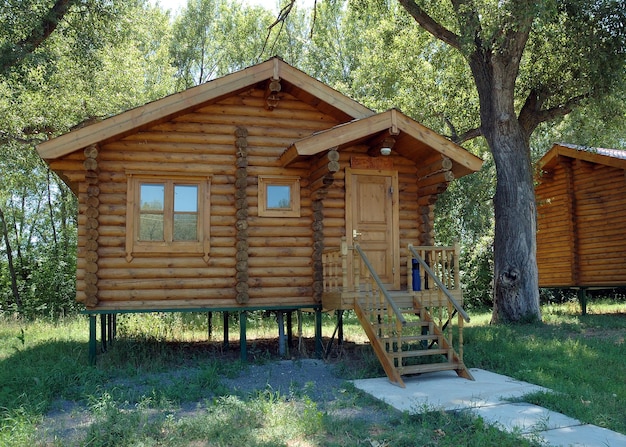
[[214, 38], [101, 59]]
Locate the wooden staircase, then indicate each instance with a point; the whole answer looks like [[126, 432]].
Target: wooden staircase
[[419, 345], [411, 332]]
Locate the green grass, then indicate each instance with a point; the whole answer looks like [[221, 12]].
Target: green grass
[[581, 358], [136, 393]]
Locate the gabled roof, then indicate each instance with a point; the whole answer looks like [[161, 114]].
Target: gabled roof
[[412, 140], [609, 157], [293, 81]]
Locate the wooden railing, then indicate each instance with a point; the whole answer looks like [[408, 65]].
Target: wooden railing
[[440, 294], [375, 296], [379, 315], [411, 331], [335, 265], [439, 270]]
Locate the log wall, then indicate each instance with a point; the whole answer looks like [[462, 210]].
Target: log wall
[[581, 222], [254, 261]]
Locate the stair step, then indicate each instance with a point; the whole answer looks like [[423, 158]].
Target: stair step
[[409, 324], [432, 367], [407, 338], [418, 353]]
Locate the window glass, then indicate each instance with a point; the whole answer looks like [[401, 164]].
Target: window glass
[[186, 198], [152, 197], [152, 202], [185, 213], [151, 227], [185, 227], [278, 197]]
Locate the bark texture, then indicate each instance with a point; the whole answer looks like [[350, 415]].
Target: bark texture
[[494, 61]]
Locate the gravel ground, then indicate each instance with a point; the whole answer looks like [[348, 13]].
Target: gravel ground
[[67, 421], [312, 377]]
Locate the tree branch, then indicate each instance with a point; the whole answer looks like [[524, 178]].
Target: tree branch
[[465, 136], [511, 40], [14, 54], [8, 138], [430, 24], [280, 19], [532, 114], [468, 135], [469, 21]]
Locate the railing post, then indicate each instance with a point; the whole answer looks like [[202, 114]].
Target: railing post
[[457, 266], [409, 272], [356, 267], [461, 322], [344, 264]]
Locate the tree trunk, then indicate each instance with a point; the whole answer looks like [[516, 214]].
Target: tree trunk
[[5, 233], [51, 211], [516, 287], [516, 280]]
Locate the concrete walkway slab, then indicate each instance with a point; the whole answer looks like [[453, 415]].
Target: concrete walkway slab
[[447, 391], [486, 397], [524, 418], [583, 436]]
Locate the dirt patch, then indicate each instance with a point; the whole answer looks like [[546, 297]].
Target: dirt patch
[[323, 381]]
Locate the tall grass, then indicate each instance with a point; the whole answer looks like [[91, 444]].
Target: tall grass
[[150, 390]]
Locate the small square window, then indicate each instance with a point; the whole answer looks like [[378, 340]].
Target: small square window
[[279, 196]]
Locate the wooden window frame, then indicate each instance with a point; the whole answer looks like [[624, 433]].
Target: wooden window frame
[[136, 247], [294, 196]]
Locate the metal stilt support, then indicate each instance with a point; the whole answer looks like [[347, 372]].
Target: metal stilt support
[[319, 347], [290, 330], [582, 299], [210, 324], [226, 343], [281, 333], [92, 340], [110, 328], [103, 332], [242, 336]]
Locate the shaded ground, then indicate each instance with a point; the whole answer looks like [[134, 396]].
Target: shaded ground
[[323, 381]]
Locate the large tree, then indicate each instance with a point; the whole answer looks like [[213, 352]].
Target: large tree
[[531, 62]]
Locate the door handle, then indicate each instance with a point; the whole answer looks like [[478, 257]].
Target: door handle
[[356, 234]]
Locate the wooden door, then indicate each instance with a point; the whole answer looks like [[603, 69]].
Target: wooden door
[[372, 216]]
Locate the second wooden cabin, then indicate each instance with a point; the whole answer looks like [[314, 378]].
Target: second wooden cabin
[[227, 196], [581, 218]]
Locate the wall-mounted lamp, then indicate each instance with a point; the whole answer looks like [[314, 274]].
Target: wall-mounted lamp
[[387, 144]]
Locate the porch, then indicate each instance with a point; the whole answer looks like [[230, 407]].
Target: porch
[[412, 331]]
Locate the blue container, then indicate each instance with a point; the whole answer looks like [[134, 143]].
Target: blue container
[[417, 281]]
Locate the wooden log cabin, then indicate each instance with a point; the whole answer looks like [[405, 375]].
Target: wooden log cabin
[[581, 218], [254, 191]]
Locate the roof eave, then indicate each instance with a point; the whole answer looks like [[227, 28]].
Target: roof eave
[[393, 120], [194, 97], [550, 159]]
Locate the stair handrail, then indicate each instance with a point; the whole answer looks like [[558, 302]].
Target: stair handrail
[[443, 288], [380, 285]]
